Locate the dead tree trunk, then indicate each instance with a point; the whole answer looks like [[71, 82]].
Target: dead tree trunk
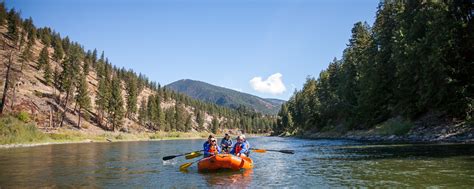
[[17, 83], [79, 121], [6, 87], [50, 116], [65, 109]]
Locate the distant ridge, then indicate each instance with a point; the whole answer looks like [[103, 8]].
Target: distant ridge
[[224, 96]]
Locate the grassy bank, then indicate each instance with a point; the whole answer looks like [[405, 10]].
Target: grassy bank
[[15, 131]]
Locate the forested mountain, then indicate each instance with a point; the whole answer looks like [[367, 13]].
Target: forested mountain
[[417, 58], [225, 97], [61, 84]]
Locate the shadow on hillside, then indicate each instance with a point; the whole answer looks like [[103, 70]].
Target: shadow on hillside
[[41, 80]]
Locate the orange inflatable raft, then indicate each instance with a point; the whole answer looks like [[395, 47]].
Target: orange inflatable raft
[[225, 161]]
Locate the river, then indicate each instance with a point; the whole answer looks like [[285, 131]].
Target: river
[[316, 163]]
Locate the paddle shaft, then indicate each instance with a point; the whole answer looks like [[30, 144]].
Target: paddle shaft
[[281, 151], [174, 156], [186, 165]]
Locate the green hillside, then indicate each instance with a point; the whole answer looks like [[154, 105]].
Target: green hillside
[[225, 97]]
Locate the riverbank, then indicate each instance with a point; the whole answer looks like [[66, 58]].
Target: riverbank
[[70, 136], [15, 133], [119, 137], [429, 129]]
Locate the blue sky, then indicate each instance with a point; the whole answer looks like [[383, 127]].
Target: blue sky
[[228, 43]]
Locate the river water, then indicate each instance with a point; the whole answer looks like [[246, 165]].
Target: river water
[[316, 163]]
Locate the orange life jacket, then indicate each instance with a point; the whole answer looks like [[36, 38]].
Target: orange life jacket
[[238, 147], [212, 149]]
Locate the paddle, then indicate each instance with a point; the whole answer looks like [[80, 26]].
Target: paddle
[[193, 155], [190, 154], [265, 150], [185, 166]]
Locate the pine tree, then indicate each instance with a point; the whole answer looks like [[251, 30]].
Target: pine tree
[[3, 13], [102, 98], [47, 75], [200, 120], [215, 125], [26, 55], [115, 107], [383, 87], [86, 66], [405, 54], [349, 88], [45, 36], [132, 95], [285, 121], [43, 58], [160, 116], [142, 112], [7, 81], [56, 78], [30, 29], [66, 44], [58, 50], [180, 117], [152, 112], [169, 119], [362, 52], [68, 78], [13, 23], [188, 124], [82, 97], [94, 57]]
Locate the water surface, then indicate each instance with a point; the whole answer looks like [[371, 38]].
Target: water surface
[[324, 163]]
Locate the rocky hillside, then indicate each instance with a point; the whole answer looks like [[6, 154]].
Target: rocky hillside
[[225, 97], [61, 85]]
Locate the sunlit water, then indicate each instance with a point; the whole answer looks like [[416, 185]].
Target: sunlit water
[[323, 163]]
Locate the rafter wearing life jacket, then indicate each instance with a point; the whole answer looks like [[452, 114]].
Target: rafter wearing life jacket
[[241, 147], [210, 147]]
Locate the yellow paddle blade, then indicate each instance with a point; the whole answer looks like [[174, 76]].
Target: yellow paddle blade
[[259, 150], [193, 155], [185, 166]]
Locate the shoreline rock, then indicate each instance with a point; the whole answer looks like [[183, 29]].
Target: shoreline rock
[[430, 128], [464, 134]]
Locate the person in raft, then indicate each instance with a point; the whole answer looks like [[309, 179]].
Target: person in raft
[[226, 143], [242, 147], [210, 147]]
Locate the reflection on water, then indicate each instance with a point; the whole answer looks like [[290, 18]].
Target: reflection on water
[[323, 163], [240, 179]]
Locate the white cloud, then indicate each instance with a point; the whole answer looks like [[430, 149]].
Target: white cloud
[[272, 85]]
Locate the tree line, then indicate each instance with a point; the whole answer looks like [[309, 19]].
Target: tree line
[[66, 67], [417, 58]]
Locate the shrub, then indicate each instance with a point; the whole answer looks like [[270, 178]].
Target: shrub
[[85, 126], [67, 135], [119, 137], [14, 131], [395, 126], [23, 116], [38, 94]]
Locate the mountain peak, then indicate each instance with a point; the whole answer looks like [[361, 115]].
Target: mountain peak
[[224, 96]]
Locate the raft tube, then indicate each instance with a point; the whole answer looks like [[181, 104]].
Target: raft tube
[[225, 161]]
